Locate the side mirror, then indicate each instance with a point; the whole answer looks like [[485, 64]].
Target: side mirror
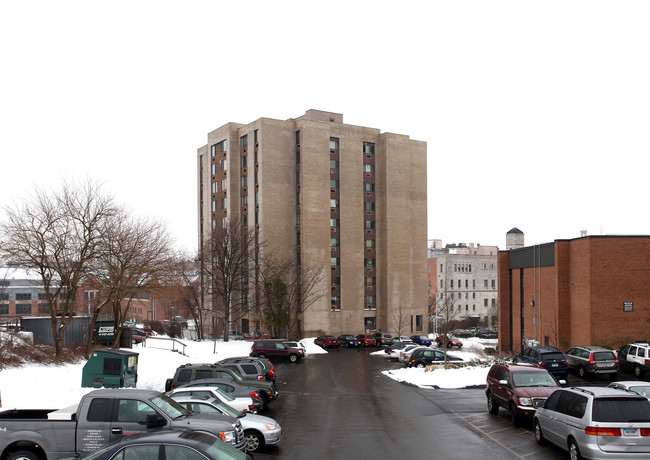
[[155, 421]]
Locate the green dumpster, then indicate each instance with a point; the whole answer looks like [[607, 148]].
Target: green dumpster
[[110, 369]]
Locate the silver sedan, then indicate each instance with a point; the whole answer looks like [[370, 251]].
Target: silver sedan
[[258, 429]]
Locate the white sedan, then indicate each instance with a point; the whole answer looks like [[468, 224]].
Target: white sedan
[[244, 404], [642, 388]]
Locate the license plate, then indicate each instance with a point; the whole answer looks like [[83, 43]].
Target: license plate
[[603, 365], [554, 365], [630, 431]]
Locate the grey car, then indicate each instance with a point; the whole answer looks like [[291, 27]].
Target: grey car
[[591, 360], [595, 422], [258, 429]]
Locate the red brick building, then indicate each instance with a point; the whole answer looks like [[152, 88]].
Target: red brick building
[[593, 290]]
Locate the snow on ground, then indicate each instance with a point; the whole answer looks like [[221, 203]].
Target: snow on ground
[[473, 352], [51, 386]]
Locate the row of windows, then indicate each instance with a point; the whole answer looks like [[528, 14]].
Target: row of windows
[[486, 284]]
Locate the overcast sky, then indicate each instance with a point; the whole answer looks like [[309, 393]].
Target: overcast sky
[[535, 114]]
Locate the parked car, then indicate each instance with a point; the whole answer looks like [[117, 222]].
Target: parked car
[[367, 340], [403, 338], [550, 358], [148, 331], [226, 387], [642, 388], [348, 340], [519, 388], [176, 444], [247, 367], [296, 344], [179, 320], [448, 342], [595, 422], [591, 360], [383, 338], [258, 429], [635, 357], [235, 335], [405, 354], [325, 341], [421, 340], [422, 357], [485, 333], [275, 350], [270, 373], [137, 335], [241, 403], [192, 371], [394, 350]]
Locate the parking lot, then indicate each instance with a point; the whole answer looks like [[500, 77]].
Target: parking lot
[[339, 405]]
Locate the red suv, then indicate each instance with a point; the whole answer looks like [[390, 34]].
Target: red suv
[[327, 341], [275, 350], [519, 388], [367, 340]]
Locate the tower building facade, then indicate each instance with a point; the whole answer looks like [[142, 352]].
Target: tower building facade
[[347, 198]]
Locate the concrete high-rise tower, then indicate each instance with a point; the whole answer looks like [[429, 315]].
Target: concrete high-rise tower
[[348, 198]]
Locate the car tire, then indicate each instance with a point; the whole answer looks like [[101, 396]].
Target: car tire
[[448, 344], [582, 372], [23, 455], [261, 355], [419, 365], [293, 358], [638, 373], [574, 451], [168, 385], [514, 417], [254, 441], [539, 436], [493, 407]]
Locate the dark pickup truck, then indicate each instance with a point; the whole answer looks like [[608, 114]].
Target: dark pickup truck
[[101, 417]]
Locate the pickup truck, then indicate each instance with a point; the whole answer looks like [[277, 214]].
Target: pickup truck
[[101, 417]]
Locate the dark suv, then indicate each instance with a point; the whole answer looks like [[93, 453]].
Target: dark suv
[[275, 350], [190, 372], [422, 357], [519, 388], [549, 358], [247, 367]]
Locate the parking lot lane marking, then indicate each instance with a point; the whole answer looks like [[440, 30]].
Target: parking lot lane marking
[[514, 454]]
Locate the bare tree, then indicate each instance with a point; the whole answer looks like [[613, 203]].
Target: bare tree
[[445, 314], [287, 289], [135, 260], [225, 260], [400, 319], [57, 235], [185, 283]]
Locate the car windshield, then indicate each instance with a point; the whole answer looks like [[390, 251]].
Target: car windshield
[[552, 356], [533, 379], [643, 390], [227, 409], [170, 407], [621, 410]]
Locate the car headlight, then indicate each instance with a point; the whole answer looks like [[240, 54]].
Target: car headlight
[[271, 427], [227, 436], [525, 401]]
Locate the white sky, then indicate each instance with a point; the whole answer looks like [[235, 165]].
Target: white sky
[[535, 114]]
